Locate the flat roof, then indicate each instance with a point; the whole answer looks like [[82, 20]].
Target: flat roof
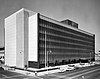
[[52, 20], [23, 9], [64, 25]]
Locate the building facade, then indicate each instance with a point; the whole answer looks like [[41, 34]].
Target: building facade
[[2, 52], [38, 41]]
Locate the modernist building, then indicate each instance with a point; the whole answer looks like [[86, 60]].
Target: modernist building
[[33, 40]]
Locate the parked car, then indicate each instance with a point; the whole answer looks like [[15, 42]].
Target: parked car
[[67, 68], [92, 64], [63, 69], [87, 64], [78, 65], [2, 60], [1, 68], [71, 67], [84, 65]]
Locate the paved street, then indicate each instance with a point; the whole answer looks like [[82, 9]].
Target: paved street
[[82, 73], [11, 75]]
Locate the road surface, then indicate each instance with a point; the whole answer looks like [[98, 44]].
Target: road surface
[[82, 73]]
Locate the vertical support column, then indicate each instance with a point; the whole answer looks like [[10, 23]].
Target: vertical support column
[[20, 39], [45, 52], [26, 36]]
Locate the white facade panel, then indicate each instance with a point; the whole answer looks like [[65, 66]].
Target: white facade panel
[[33, 38], [20, 39], [10, 40]]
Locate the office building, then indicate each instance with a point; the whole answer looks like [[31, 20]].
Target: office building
[[34, 40]]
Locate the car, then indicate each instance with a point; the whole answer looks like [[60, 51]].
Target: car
[[87, 64], [92, 64], [67, 68], [1, 68], [71, 67], [63, 69], [1, 61], [84, 64], [78, 65]]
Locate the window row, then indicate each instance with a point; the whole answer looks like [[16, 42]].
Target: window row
[[56, 26], [66, 50], [52, 58], [55, 44], [74, 40], [67, 42], [66, 34]]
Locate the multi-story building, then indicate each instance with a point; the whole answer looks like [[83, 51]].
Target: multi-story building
[[2, 55], [34, 40]]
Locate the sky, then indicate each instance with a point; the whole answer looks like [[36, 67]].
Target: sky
[[85, 12]]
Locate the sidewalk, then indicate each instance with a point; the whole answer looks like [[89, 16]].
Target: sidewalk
[[38, 72], [47, 70]]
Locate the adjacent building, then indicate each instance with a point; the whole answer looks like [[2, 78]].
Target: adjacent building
[[34, 40], [2, 52]]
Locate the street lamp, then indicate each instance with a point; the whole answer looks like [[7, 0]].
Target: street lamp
[[48, 52], [90, 56], [45, 51]]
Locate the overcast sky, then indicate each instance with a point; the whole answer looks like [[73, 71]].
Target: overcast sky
[[85, 12]]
